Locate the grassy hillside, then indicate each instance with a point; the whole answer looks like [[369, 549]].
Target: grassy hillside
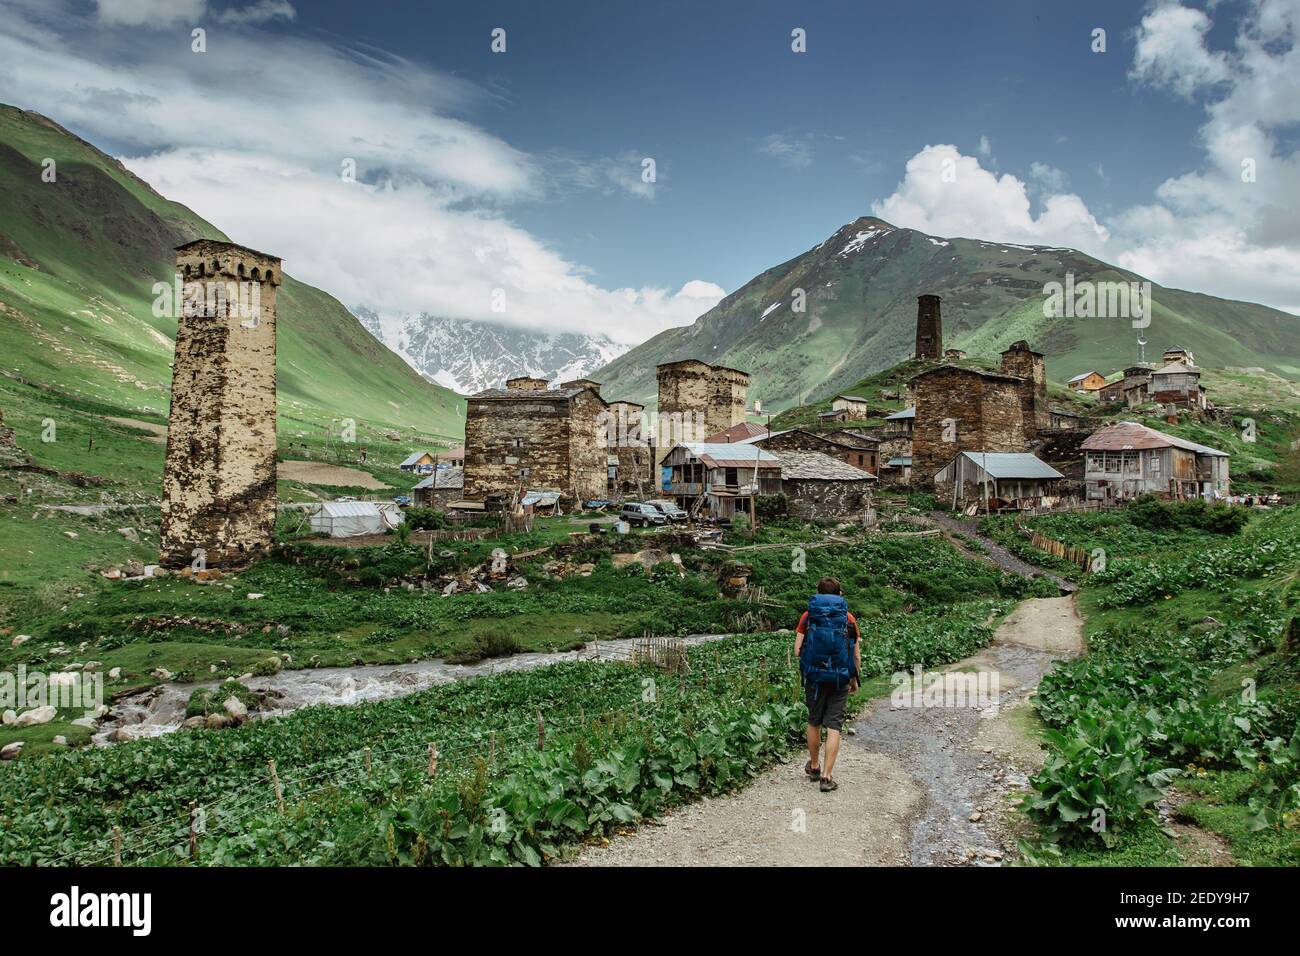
[[861, 286], [79, 257]]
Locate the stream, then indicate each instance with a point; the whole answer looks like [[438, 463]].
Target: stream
[[161, 709]]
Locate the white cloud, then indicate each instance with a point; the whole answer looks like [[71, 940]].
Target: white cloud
[[795, 152], [1171, 50], [985, 148], [259, 152], [150, 13], [263, 11], [1209, 230], [976, 203]]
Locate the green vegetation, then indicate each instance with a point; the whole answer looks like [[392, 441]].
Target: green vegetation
[[1187, 683]]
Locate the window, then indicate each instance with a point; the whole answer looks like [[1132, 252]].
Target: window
[[516, 443], [730, 477], [523, 472], [1155, 465]]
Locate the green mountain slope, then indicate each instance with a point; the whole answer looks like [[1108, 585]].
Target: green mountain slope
[[861, 286], [79, 257]]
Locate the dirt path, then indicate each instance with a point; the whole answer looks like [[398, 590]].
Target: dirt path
[[918, 785], [996, 555]]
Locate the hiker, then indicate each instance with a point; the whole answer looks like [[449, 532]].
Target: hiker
[[829, 647]]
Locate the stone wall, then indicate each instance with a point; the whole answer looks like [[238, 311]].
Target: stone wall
[[695, 394], [986, 410], [818, 499], [219, 476], [799, 440], [588, 450], [1024, 363]]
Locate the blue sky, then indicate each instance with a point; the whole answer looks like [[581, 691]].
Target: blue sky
[[486, 178]]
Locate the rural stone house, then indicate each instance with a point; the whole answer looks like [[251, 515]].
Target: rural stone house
[[820, 487], [629, 455], [1112, 393], [1089, 381], [419, 462], [856, 406], [440, 489], [1066, 421], [696, 400], [860, 451], [998, 479], [453, 457], [710, 477], [959, 408], [1128, 459], [1176, 353], [528, 435], [1178, 384]]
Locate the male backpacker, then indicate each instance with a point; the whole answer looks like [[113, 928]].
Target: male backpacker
[[827, 643]]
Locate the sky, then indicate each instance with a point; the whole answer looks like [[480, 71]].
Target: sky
[[618, 167]]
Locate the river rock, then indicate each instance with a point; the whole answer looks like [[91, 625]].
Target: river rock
[[161, 673], [37, 715], [10, 718], [115, 673], [61, 740], [20, 640], [10, 751], [517, 583], [192, 722], [235, 708], [130, 534], [218, 721], [90, 723]]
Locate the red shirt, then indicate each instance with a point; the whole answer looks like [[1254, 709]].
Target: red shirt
[[853, 623]]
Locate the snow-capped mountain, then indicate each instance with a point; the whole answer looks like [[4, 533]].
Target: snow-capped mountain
[[467, 355]]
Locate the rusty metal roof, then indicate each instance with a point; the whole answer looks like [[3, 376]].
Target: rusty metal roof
[[736, 433], [1133, 436], [736, 455]]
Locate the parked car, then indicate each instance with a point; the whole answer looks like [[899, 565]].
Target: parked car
[[401, 500], [669, 510], [640, 515]]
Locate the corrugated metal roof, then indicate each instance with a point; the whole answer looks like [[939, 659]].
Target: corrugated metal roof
[[903, 462], [736, 433], [905, 413], [1011, 465], [1080, 378], [852, 398], [412, 458], [734, 455], [816, 465], [1129, 436]]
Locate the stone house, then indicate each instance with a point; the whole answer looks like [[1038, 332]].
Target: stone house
[[1128, 459], [960, 409], [1016, 479], [1112, 393], [857, 450], [1178, 384], [1066, 421], [453, 457], [1176, 353], [714, 476], [820, 487], [630, 457], [695, 400], [440, 489], [528, 435], [856, 406]]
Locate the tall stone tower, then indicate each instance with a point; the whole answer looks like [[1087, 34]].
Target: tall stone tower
[[1024, 363], [696, 400], [219, 479], [929, 329]]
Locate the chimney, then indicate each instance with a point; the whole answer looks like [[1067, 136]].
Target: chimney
[[929, 329], [526, 383]]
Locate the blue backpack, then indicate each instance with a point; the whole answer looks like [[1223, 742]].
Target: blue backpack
[[826, 656]]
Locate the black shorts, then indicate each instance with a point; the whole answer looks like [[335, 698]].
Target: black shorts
[[826, 705]]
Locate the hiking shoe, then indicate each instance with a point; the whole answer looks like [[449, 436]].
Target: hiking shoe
[[814, 773], [828, 785]]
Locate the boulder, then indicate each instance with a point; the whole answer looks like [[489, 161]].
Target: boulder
[[130, 534], [90, 723], [518, 583], [10, 718], [19, 640], [10, 751], [37, 715], [134, 569], [161, 673], [115, 673], [235, 708], [218, 722], [61, 740], [192, 723]]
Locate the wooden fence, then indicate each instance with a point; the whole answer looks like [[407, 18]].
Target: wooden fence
[[666, 653]]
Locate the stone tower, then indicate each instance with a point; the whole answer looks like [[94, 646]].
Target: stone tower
[[929, 329], [1024, 363], [219, 478], [696, 399]]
